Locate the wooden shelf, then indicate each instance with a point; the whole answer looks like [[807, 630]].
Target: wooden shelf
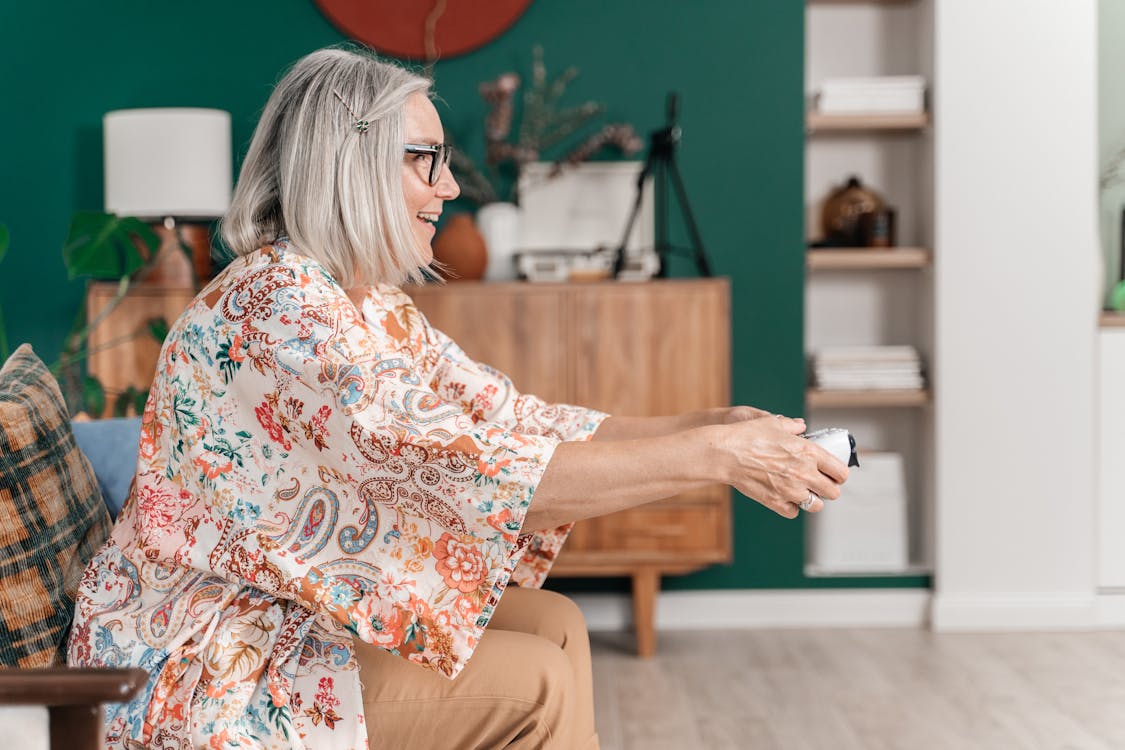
[[817, 398], [1111, 319], [824, 571], [863, 258], [816, 122]]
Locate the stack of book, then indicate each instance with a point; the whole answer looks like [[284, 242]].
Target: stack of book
[[877, 95], [876, 368]]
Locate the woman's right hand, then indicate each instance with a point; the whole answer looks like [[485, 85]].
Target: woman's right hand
[[767, 460]]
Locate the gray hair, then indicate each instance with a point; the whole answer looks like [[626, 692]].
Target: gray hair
[[334, 189]]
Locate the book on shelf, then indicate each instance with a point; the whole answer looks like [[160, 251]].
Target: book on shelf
[[868, 368], [876, 95]]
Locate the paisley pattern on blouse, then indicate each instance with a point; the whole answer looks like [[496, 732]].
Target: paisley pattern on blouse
[[310, 474]]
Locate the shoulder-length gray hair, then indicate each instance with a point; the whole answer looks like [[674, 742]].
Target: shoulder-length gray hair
[[333, 187]]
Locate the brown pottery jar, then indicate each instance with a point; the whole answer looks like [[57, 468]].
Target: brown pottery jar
[[840, 218]]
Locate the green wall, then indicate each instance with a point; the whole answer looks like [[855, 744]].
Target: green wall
[[736, 64]]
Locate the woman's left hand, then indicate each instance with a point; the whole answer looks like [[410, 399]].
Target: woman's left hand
[[733, 414]]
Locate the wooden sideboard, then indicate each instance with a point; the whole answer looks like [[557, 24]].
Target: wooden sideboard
[[635, 349], [652, 348], [122, 352]]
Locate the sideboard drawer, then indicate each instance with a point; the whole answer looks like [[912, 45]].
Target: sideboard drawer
[[687, 530]]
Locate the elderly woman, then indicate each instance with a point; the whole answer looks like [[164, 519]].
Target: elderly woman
[[333, 502]]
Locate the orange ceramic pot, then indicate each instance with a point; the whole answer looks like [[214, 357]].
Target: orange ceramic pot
[[460, 249]]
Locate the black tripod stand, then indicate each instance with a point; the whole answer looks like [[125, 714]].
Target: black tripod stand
[[660, 163]]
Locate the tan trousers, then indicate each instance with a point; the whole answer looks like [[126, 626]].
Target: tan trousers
[[528, 686]]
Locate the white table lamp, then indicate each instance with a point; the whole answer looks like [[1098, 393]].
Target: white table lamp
[[170, 166]]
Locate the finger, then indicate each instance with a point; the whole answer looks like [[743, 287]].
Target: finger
[[806, 499], [822, 484], [790, 506], [786, 510], [812, 504], [824, 488], [780, 507], [828, 464], [793, 426], [747, 413]]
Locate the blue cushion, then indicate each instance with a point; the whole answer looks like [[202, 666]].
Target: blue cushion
[[111, 447]]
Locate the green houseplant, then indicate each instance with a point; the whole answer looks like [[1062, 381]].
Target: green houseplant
[[103, 246]]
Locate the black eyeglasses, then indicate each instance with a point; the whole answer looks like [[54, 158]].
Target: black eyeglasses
[[439, 156]]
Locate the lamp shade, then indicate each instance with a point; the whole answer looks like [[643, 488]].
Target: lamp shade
[[167, 162]]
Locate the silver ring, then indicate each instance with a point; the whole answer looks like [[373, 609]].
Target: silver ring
[[813, 497]]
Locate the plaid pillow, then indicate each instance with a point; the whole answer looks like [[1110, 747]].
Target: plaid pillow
[[52, 518]]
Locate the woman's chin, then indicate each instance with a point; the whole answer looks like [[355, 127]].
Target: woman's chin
[[425, 249]]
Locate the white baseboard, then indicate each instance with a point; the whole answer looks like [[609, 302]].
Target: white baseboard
[[993, 612], [1111, 608], [826, 608], [803, 608]]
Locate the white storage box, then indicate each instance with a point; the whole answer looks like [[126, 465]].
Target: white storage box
[[865, 530]]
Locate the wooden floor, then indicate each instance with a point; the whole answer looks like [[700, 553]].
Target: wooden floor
[[845, 689]]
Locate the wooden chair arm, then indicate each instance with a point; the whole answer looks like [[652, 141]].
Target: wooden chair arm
[[73, 698], [64, 686]]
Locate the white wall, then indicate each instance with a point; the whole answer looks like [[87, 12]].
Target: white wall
[[1017, 269]]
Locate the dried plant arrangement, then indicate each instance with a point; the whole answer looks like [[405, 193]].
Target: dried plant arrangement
[[544, 126]]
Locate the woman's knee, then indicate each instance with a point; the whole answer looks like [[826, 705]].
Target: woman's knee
[[550, 615], [566, 620], [544, 676]]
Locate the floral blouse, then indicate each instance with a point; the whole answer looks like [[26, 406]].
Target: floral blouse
[[310, 474]]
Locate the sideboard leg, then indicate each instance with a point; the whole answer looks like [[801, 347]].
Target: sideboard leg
[[646, 584]]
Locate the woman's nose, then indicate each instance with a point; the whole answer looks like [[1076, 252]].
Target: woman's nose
[[447, 187]]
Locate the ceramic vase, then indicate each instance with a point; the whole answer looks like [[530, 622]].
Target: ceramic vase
[[460, 249], [499, 224]]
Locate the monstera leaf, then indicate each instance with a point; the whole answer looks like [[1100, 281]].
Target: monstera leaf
[[105, 246]]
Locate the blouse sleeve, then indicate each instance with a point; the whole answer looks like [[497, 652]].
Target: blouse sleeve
[[488, 395], [379, 505]]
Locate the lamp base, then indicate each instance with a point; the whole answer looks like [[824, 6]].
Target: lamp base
[[173, 268]]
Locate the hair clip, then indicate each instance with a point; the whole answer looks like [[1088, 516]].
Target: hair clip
[[359, 124]]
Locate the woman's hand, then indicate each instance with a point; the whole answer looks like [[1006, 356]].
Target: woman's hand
[[770, 463], [633, 461], [733, 414]]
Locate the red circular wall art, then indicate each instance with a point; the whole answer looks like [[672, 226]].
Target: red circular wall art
[[423, 30]]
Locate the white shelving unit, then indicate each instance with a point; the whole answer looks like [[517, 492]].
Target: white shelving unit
[[860, 296]]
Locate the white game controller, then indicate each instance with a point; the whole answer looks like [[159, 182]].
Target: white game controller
[[837, 441]]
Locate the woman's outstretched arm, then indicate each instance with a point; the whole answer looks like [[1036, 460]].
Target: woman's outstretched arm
[[762, 458], [630, 428]]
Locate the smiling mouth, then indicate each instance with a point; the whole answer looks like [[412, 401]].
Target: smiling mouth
[[428, 217]]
